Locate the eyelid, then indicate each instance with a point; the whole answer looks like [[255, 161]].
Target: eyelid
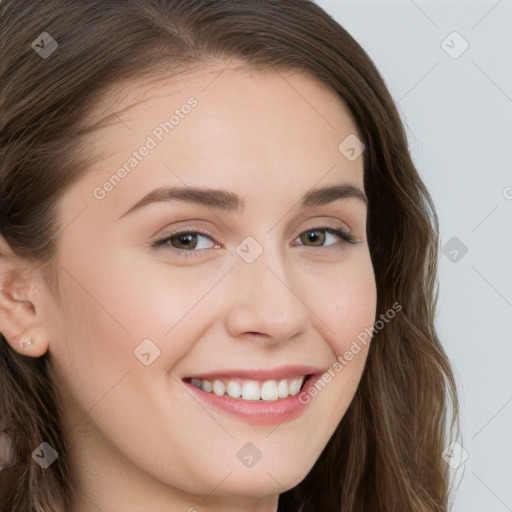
[[310, 225], [344, 234], [319, 225], [159, 241]]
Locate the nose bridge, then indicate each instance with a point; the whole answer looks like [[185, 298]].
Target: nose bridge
[[265, 296]]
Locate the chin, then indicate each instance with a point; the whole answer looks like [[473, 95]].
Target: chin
[[252, 483]]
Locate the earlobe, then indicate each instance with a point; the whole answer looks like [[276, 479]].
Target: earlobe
[[31, 345], [19, 325], [19, 318], [25, 341]]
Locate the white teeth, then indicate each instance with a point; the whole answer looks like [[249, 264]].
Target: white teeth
[[234, 390], [295, 385], [269, 390], [218, 387], [196, 382], [251, 390], [282, 388]]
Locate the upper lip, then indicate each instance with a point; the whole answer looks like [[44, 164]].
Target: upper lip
[[281, 372]]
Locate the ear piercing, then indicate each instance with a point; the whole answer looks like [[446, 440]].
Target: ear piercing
[[25, 341]]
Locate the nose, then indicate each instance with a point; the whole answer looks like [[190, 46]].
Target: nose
[[267, 299]]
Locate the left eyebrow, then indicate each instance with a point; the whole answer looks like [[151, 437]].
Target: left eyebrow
[[228, 201]]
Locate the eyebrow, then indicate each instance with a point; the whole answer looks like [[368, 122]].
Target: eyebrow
[[229, 201]]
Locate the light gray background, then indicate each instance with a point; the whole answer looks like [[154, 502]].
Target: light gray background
[[458, 117]]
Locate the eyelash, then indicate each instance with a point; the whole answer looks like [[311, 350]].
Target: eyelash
[[345, 236]]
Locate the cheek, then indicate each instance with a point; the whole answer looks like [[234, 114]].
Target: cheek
[[346, 306], [98, 316], [137, 299], [95, 340], [346, 303]]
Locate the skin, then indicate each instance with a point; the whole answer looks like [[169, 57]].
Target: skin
[[138, 439]]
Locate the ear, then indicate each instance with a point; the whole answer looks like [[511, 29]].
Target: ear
[[20, 304]]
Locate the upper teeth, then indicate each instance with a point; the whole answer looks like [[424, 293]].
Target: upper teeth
[[251, 389]]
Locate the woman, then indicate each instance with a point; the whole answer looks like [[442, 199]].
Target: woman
[[218, 266]]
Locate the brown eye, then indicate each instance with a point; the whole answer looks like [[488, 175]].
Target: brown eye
[[184, 240], [316, 237]]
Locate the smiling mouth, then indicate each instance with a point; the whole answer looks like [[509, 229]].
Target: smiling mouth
[[251, 390]]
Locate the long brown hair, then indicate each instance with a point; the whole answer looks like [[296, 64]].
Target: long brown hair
[[385, 455]]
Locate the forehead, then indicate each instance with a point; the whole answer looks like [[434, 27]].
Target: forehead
[[234, 125], [231, 88]]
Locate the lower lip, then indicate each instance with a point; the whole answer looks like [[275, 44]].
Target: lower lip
[[259, 412]]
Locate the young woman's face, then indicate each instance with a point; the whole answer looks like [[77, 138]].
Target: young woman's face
[[255, 292]]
